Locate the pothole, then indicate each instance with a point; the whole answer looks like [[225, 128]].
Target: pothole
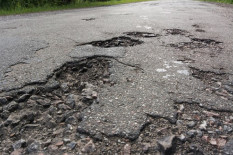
[[186, 60], [196, 26], [88, 19], [217, 83], [198, 43], [46, 119], [176, 32], [199, 30], [121, 41], [142, 34]]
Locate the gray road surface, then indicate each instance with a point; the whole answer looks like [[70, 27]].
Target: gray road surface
[[33, 46]]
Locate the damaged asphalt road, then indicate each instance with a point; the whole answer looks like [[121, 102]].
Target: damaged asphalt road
[[154, 79]]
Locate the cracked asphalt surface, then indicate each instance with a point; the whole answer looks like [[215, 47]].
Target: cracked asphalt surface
[[187, 59]]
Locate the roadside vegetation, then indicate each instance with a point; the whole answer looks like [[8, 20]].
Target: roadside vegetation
[[221, 1], [8, 7]]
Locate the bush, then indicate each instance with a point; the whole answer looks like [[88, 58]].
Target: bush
[[12, 4]]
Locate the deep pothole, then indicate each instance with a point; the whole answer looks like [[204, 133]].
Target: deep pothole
[[121, 41], [142, 34], [45, 120]]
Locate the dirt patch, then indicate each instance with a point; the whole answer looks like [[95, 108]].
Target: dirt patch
[[176, 32], [142, 34], [116, 42]]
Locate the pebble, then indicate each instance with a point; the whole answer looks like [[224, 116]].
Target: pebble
[[127, 149], [179, 123], [182, 138], [89, 147], [3, 101], [228, 148], [72, 145], [145, 147], [66, 140], [33, 147], [60, 143], [19, 144], [211, 114], [191, 124], [166, 143], [199, 133], [227, 129], [64, 87], [12, 106], [71, 100], [203, 125], [23, 98], [191, 133], [17, 152], [70, 120], [44, 102]]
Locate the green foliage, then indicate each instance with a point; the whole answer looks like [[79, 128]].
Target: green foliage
[[221, 1], [10, 7], [13, 4]]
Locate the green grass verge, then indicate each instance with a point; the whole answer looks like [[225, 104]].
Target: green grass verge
[[220, 1], [78, 4]]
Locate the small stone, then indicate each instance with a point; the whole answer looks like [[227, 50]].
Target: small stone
[[94, 95], [145, 147], [213, 141], [49, 122], [33, 147], [182, 138], [228, 148], [166, 143], [19, 144], [221, 142], [127, 149], [211, 114], [203, 125], [72, 145], [70, 120], [181, 107], [17, 152], [12, 106], [66, 140], [60, 143], [71, 100], [64, 87], [179, 123], [3, 101], [227, 129], [191, 133], [44, 102], [23, 98], [199, 133], [191, 124], [195, 149], [47, 143], [89, 147], [53, 147]]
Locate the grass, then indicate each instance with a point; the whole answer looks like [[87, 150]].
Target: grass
[[78, 4], [220, 1]]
